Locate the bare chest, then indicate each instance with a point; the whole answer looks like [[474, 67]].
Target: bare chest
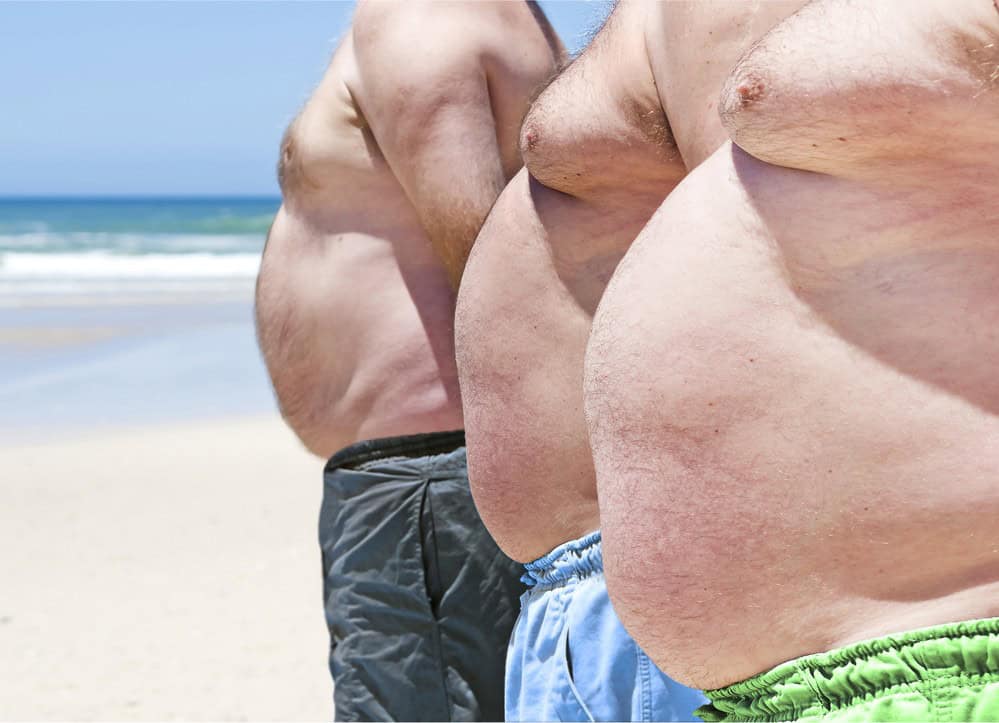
[[600, 127], [692, 50], [330, 160]]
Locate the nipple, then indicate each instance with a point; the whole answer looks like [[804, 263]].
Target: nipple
[[750, 90]]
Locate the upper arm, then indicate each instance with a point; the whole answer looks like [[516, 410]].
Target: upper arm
[[425, 94], [843, 85]]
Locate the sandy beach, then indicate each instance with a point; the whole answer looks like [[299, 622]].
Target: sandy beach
[[157, 522]]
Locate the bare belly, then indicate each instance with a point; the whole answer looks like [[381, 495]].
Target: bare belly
[[520, 341], [365, 345], [794, 425], [527, 300]]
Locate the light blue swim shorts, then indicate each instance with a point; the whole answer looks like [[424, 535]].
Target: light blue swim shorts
[[570, 658]]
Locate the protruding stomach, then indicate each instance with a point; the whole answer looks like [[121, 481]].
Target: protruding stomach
[[524, 314], [358, 344], [767, 488]]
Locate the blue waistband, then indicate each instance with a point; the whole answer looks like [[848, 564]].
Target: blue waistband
[[574, 559]]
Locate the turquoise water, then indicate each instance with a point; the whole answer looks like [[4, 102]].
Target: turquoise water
[[172, 278], [56, 225], [134, 245], [137, 215]]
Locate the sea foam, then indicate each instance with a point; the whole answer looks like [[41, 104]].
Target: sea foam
[[108, 247]]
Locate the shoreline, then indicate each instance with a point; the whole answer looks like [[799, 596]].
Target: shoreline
[[73, 367], [127, 299]]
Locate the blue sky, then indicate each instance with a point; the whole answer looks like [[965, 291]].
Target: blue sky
[[188, 98]]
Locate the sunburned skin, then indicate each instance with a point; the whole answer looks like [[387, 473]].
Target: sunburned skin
[[790, 383], [599, 157], [354, 303]]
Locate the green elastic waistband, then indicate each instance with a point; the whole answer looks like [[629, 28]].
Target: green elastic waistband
[[857, 672]]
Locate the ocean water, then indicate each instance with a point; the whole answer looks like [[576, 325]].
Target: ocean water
[[123, 312], [95, 246], [164, 363]]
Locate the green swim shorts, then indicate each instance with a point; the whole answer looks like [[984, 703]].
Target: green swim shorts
[[944, 673]]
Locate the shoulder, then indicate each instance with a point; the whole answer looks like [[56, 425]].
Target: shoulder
[[431, 37], [423, 31]]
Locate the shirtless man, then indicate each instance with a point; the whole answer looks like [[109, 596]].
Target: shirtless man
[[387, 174], [791, 384], [603, 146]]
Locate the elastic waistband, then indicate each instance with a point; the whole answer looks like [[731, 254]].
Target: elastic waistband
[[575, 559], [414, 445], [843, 676]]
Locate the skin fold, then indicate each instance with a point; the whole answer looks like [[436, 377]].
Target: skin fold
[[789, 385], [603, 145]]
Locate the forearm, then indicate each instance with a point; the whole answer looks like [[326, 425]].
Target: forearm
[[445, 155]]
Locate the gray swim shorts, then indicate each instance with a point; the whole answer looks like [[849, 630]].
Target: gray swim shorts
[[420, 601]]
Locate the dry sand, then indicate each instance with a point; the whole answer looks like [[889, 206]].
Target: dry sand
[[162, 573]]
